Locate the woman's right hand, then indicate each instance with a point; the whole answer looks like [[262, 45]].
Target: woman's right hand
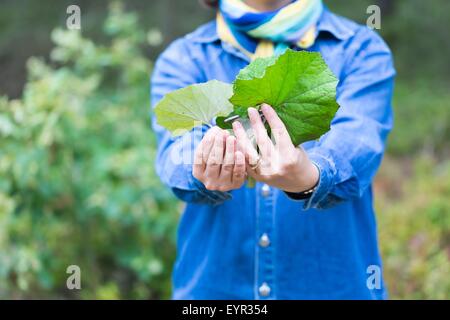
[[217, 163]]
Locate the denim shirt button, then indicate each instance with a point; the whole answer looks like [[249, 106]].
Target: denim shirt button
[[265, 190], [264, 241], [264, 290]]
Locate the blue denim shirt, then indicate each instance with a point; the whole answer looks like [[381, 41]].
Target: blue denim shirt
[[257, 243]]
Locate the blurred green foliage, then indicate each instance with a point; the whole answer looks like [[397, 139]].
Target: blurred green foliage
[[77, 181], [416, 30], [414, 227], [77, 176], [422, 119]]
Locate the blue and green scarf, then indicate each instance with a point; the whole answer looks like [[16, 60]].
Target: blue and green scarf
[[261, 34]]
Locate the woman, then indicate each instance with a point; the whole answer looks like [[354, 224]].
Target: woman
[[307, 230]]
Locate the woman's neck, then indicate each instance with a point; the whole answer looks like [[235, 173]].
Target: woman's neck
[[267, 5]]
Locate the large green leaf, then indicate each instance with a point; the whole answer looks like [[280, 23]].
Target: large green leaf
[[183, 109], [297, 84]]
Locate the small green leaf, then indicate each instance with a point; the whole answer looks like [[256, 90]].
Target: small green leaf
[[297, 84], [220, 122], [186, 108]]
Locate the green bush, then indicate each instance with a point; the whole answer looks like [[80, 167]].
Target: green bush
[[422, 119], [77, 181], [414, 227]]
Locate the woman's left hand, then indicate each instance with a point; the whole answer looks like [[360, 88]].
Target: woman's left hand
[[279, 163]]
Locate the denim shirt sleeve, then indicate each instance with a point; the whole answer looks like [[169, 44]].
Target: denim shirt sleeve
[[349, 155], [175, 69]]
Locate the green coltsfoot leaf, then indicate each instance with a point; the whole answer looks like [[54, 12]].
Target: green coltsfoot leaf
[[297, 84], [186, 108]]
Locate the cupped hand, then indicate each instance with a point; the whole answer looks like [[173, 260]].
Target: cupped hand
[[218, 164], [278, 163]]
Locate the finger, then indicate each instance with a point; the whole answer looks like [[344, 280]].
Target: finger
[[215, 158], [199, 166], [262, 139], [238, 146], [239, 169], [229, 150], [208, 142], [202, 152], [244, 143], [277, 127], [226, 172]]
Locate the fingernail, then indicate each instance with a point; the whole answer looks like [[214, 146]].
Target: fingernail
[[252, 112], [265, 107], [237, 125]]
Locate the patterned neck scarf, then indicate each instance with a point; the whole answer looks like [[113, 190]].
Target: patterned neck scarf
[[262, 34]]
